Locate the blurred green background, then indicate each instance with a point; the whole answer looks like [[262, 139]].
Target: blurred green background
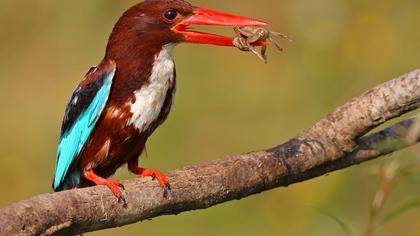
[[227, 102]]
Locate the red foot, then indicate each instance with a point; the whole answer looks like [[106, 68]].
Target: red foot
[[113, 185], [155, 174]]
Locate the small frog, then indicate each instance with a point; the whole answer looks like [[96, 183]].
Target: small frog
[[248, 35]]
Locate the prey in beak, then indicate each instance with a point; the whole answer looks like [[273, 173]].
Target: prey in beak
[[203, 16]]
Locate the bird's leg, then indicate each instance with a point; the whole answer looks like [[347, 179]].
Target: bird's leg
[[113, 185], [155, 174]]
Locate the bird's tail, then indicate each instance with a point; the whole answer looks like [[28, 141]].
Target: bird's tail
[[70, 181]]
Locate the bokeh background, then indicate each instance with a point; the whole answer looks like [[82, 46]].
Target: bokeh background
[[227, 102]]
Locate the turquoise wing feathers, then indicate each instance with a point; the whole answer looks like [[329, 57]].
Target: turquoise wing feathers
[[82, 112]]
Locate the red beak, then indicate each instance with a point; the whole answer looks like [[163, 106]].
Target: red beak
[[202, 16]]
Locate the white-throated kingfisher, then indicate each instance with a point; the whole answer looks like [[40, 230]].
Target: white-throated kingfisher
[[122, 100]]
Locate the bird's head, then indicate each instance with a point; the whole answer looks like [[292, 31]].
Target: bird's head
[[160, 22]]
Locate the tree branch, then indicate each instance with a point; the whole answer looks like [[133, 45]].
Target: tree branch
[[333, 143]]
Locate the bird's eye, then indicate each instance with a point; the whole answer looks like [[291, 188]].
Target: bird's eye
[[170, 14]]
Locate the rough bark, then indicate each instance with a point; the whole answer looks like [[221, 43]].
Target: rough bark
[[335, 142]]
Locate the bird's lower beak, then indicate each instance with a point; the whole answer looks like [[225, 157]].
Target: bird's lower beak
[[202, 16]]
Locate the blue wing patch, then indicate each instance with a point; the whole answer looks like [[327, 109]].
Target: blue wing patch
[[82, 113]]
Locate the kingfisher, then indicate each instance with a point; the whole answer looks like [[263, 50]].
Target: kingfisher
[[121, 101]]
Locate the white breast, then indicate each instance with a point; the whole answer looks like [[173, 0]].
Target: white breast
[[150, 98]]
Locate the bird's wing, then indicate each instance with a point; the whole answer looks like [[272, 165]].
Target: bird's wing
[[83, 111]]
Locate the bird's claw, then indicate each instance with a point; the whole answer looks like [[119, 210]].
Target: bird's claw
[[161, 178], [113, 185], [167, 190], [121, 186], [121, 199]]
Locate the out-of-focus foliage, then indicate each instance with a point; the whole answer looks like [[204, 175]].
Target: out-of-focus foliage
[[227, 102]]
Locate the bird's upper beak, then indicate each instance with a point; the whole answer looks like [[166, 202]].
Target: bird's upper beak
[[202, 16]]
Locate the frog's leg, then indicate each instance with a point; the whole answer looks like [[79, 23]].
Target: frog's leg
[[241, 43], [257, 53], [263, 53]]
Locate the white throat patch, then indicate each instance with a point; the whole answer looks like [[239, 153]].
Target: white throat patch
[[150, 98]]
